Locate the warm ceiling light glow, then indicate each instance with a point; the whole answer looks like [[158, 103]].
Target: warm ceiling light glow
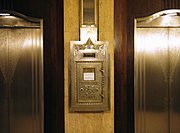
[[4, 14]]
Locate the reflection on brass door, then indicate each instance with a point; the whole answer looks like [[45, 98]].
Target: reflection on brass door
[[157, 73], [21, 74]]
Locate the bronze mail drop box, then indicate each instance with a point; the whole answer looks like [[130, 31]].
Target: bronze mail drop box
[[88, 76]]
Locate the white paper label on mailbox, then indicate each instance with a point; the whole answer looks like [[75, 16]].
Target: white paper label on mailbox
[[88, 76]]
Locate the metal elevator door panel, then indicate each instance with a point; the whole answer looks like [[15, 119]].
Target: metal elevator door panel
[[21, 74], [157, 74]]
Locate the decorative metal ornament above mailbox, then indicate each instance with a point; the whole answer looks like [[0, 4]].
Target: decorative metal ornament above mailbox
[[89, 76]]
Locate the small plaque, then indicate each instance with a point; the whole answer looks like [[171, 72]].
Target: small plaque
[[88, 76]]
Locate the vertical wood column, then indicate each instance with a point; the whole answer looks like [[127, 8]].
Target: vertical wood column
[[57, 68], [6, 4], [170, 4], [120, 66]]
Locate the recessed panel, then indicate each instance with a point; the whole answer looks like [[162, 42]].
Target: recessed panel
[[90, 82]]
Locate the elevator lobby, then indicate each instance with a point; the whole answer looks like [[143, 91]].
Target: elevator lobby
[[89, 66]]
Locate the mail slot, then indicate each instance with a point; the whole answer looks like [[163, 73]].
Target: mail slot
[[89, 76], [89, 55]]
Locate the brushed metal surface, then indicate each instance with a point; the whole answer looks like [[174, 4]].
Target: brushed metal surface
[[157, 72], [21, 74]]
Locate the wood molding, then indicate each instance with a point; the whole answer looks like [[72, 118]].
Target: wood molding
[[120, 66], [57, 68]]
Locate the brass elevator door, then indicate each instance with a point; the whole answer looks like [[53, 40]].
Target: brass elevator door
[[21, 75], [157, 75]]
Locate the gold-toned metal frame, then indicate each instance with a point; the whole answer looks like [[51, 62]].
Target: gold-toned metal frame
[[146, 21], [77, 48]]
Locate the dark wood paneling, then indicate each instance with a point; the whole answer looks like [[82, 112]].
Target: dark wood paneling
[[52, 13], [57, 60], [120, 67], [6, 4], [135, 9], [166, 4]]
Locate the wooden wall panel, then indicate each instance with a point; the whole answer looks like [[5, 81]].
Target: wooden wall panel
[[166, 4], [6, 4], [120, 66], [135, 9]]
